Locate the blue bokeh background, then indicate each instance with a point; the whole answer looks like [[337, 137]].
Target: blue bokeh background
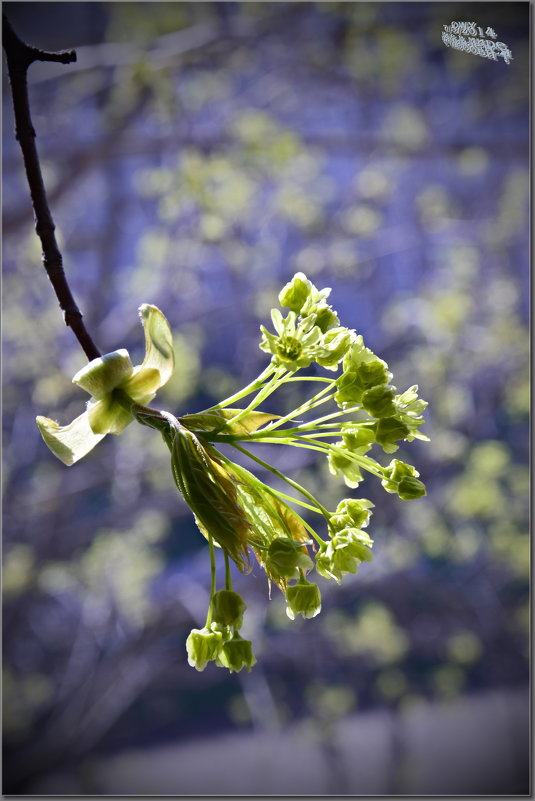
[[196, 156]]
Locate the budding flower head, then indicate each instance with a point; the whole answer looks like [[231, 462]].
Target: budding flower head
[[228, 608], [236, 654], [358, 438], [303, 598], [285, 557], [203, 646]]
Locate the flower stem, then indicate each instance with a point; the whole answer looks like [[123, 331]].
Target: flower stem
[[317, 400], [242, 393], [228, 577], [289, 481], [212, 582], [270, 387], [364, 461]]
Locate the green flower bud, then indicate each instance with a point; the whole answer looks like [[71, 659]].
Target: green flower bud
[[294, 294], [338, 463], [395, 472], [334, 347], [285, 557], [355, 512], [358, 439], [228, 608], [409, 408], [410, 488], [203, 646], [389, 431], [344, 553], [362, 371], [373, 373], [379, 401], [105, 373], [324, 317], [303, 598], [349, 388], [236, 654]]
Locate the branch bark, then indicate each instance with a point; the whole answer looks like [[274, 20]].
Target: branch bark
[[19, 57]]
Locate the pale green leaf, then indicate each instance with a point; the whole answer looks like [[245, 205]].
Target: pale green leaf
[[69, 443], [159, 361]]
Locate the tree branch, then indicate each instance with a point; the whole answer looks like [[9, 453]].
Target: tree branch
[[19, 57]]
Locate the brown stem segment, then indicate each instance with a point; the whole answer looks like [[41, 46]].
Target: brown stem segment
[[19, 56]]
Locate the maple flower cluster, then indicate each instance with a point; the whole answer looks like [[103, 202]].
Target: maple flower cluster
[[234, 510]]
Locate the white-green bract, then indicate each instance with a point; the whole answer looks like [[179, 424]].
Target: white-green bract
[[233, 509]]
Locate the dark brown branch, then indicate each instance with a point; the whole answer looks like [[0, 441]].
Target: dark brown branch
[[19, 56]]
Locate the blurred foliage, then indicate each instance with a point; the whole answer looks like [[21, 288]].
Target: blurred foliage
[[214, 151]]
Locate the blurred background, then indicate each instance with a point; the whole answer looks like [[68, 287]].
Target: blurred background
[[196, 155]]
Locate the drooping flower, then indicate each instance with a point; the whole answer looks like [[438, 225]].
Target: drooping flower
[[228, 608], [203, 646], [108, 379], [236, 654], [356, 441], [303, 598], [401, 478], [285, 558], [343, 553], [351, 512]]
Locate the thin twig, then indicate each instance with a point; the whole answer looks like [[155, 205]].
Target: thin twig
[[19, 57]]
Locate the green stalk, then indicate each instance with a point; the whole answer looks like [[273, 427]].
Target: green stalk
[[311, 378], [213, 577], [270, 387], [338, 414], [289, 481], [228, 577], [364, 461], [251, 478], [242, 393], [317, 400]]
